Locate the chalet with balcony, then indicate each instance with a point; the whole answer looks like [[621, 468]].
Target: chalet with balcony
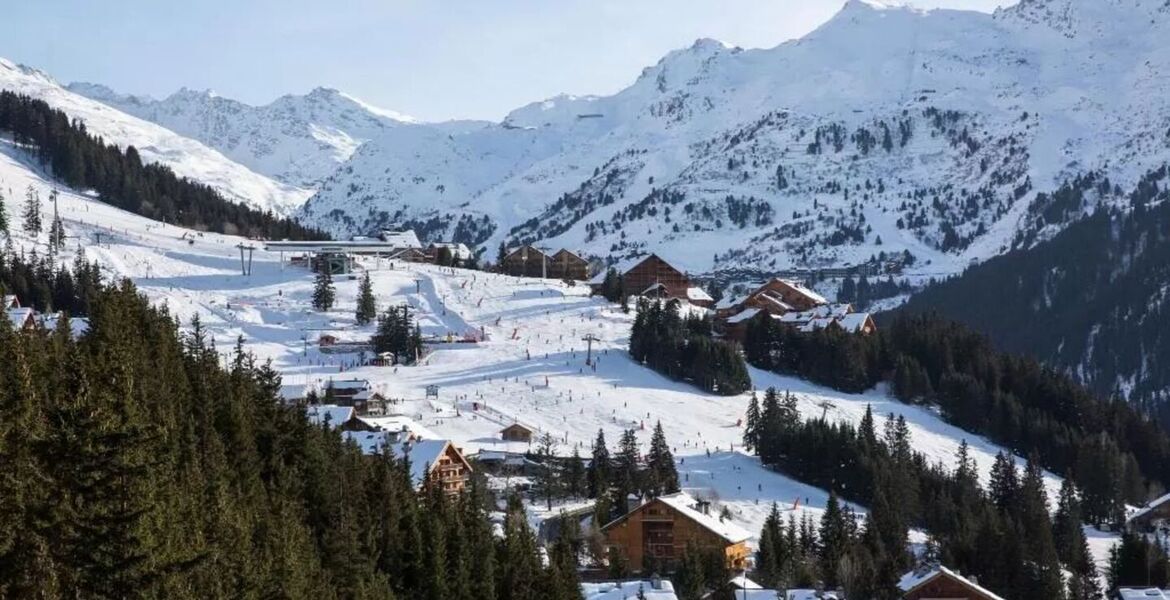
[[655, 534]]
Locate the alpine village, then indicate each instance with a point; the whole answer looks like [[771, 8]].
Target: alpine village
[[879, 313]]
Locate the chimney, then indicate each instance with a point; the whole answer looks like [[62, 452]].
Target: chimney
[[655, 582], [703, 506]]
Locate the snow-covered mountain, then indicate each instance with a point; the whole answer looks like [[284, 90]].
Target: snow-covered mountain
[[885, 129], [156, 144], [297, 140]]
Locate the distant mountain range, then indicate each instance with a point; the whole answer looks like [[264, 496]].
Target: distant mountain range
[[887, 130]]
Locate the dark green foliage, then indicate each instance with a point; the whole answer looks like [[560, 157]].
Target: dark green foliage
[[38, 283], [661, 475], [1115, 453], [1137, 562], [1009, 543], [1088, 301], [147, 469], [684, 349], [86, 162], [32, 211], [399, 335], [367, 307], [323, 293]]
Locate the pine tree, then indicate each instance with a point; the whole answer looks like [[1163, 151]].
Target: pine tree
[[32, 211], [599, 467], [662, 475], [626, 475], [835, 541], [1042, 576], [367, 308], [1004, 484], [3, 215], [751, 430], [323, 292], [1073, 549], [575, 477], [548, 480]]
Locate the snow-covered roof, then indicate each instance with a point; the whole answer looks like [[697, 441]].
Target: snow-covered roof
[[330, 414], [624, 590], [19, 317], [401, 239], [741, 582], [698, 294], [817, 323], [349, 384], [1151, 505], [805, 291], [727, 302], [914, 579], [77, 326], [743, 315], [293, 391], [10, 301], [399, 424], [371, 442], [685, 504], [622, 267], [1143, 594], [423, 454], [853, 322]]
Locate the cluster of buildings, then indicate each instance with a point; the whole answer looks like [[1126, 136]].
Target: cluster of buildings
[[656, 533], [360, 414], [791, 304], [652, 277], [25, 318], [529, 261]]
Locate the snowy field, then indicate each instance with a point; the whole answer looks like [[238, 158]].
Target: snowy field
[[531, 368]]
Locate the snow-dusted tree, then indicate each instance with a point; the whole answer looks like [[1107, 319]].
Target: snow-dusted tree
[[32, 211]]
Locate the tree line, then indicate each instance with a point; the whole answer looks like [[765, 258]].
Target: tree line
[[38, 282], [683, 349], [1004, 534], [84, 161], [1114, 453], [150, 469]]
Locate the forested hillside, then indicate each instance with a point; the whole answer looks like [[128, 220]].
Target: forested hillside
[[1092, 301], [86, 162], [149, 469]]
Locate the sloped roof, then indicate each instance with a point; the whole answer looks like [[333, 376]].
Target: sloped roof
[[401, 239], [1151, 505], [460, 251], [424, 455], [10, 301], [698, 294], [727, 302], [915, 579], [19, 317], [1143, 594], [853, 322], [330, 414], [77, 326], [743, 315], [684, 504]]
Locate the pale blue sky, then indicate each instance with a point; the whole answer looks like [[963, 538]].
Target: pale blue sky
[[436, 59]]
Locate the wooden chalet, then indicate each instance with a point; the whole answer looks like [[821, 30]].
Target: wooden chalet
[[516, 433], [22, 319], [9, 301], [566, 264], [941, 583], [526, 261], [655, 535], [435, 462], [652, 277]]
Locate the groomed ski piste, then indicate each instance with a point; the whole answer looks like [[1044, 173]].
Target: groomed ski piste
[[530, 368]]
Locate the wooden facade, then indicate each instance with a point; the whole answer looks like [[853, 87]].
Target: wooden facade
[[516, 433], [655, 275], [944, 584], [656, 534], [451, 471], [568, 265], [526, 261]]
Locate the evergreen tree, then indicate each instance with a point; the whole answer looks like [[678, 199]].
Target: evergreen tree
[[32, 211], [836, 539], [1042, 577], [599, 467], [367, 308], [627, 479], [576, 483], [662, 475], [751, 430], [323, 292], [1071, 546], [3, 216]]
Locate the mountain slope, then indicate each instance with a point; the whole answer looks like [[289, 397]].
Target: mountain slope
[[297, 140], [155, 144], [1093, 300], [886, 129]]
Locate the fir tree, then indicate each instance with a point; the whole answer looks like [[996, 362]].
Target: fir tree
[[575, 477], [751, 430], [367, 309], [662, 475], [3, 215], [599, 467], [323, 292], [32, 211]]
